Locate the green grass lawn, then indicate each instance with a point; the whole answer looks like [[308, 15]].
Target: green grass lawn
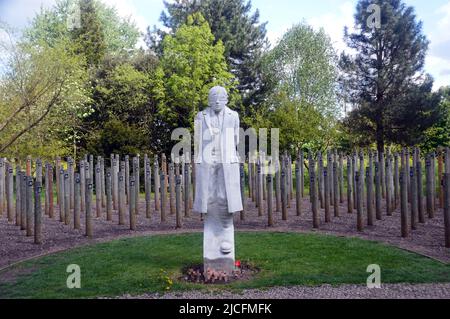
[[139, 265]]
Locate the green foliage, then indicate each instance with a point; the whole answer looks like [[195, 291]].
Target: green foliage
[[154, 263], [89, 36], [439, 134], [191, 65], [233, 23], [40, 86], [304, 65], [301, 74], [385, 80], [51, 25], [117, 137]]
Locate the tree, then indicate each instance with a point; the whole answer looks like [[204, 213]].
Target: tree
[[120, 35], [89, 36], [385, 80], [191, 64], [38, 84], [304, 65], [439, 134], [301, 74], [232, 23]]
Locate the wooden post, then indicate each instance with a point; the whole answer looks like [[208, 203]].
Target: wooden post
[[396, 181], [108, 186], [382, 174], [404, 200], [412, 176], [137, 181], [37, 213], [23, 210], [359, 202], [127, 178], [388, 189], [277, 185], [135, 163], [369, 181], [61, 195], [326, 195], [321, 181], [10, 193], [156, 182], [122, 197], [98, 191], [284, 196], [2, 186], [440, 156], [71, 172], [29, 164], [362, 176], [178, 202], [447, 208], [30, 207], [47, 189], [77, 202], [102, 181], [298, 190], [259, 188], [148, 188], [83, 185], [115, 186], [50, 194], [302, 173], [250, 184], [132, 208], [336, 189], [341, 178], [378, 194], [355, 186], [91, 168], [263, 180], [88, 210], [18, 195], [433, 183], [313, 192], [429, 186], [420, 188], [269, 200], [57, 169], [330, 177], [66, 198], [164, 196], [349, 186], [185, 190], [407, 167], [242, 174]]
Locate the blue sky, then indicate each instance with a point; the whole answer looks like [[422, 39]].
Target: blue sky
[[332, 15]]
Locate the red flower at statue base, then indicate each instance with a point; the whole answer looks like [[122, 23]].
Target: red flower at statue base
[[237, 264]]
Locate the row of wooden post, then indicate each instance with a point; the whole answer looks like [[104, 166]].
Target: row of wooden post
[[269, 179], [386, 176]]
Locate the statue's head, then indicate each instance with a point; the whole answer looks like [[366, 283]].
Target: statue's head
[[218, 98]]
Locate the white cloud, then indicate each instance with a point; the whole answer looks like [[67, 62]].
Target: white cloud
[[128, 9], [18, 13], [438, 60], [334, 23]]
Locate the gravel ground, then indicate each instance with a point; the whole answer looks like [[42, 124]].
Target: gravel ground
[[391, 291], [427, 240]]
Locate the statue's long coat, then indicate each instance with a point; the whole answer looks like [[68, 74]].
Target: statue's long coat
[[230, 160]]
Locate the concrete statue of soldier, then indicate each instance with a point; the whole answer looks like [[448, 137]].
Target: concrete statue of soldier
[[218, 193]]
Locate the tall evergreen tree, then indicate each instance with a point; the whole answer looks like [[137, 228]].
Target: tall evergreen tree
[[233, 23], [385, 79], [89, 35]]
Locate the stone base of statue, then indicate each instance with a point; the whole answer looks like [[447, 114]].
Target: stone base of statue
[[218, 241]]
